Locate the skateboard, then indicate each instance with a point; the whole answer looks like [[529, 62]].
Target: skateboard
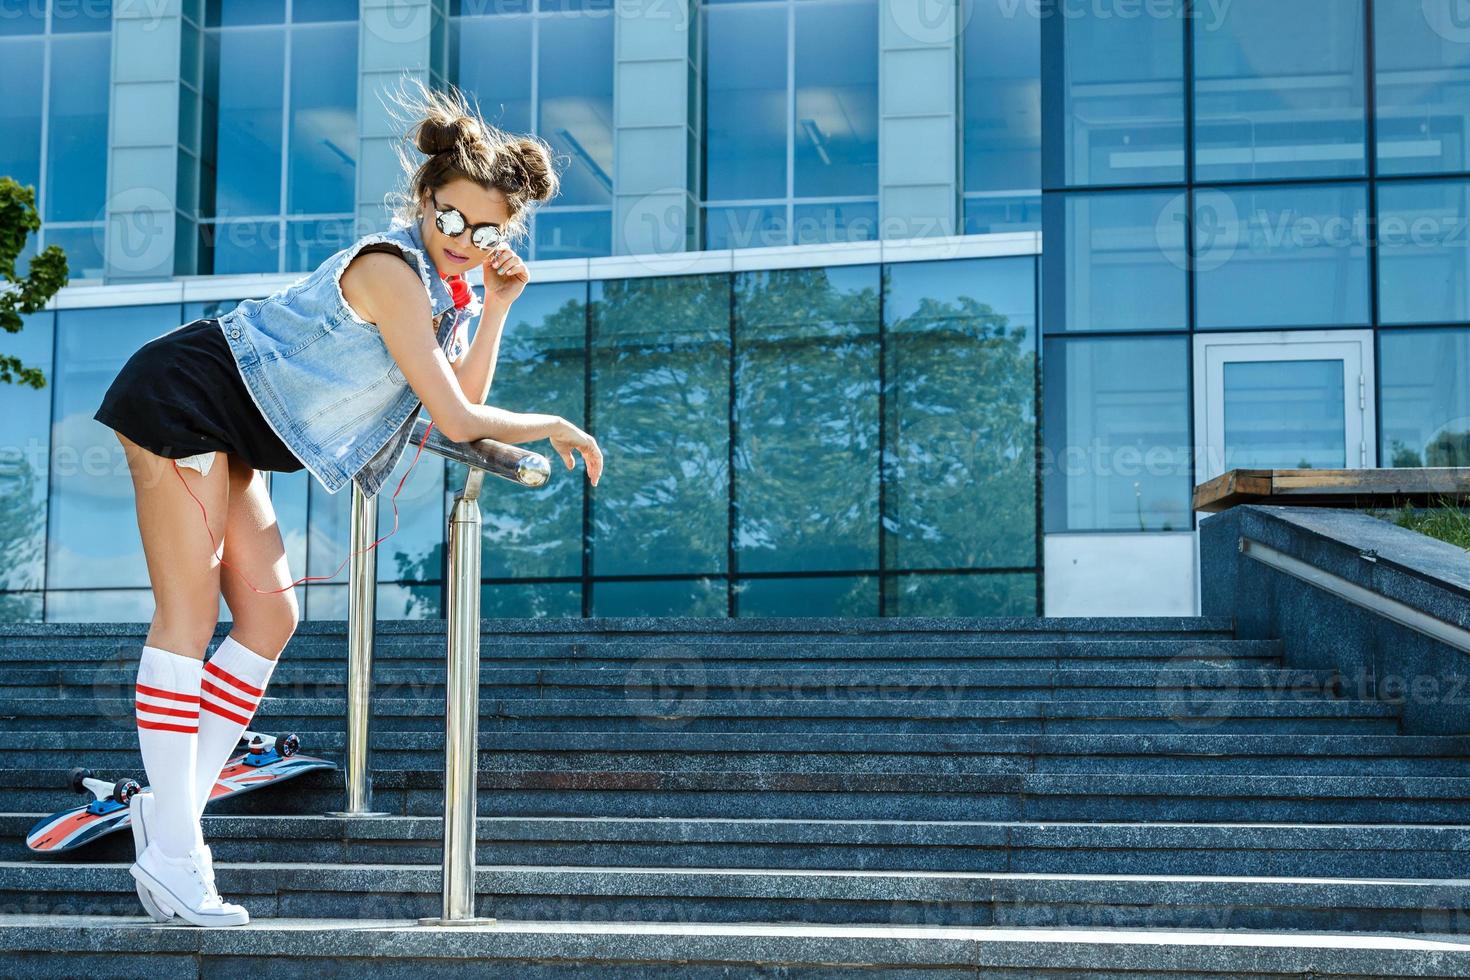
[[266, 761]]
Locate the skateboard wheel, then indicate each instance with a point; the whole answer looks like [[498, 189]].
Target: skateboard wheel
[[124, 790], [287, 745], [77, 775]]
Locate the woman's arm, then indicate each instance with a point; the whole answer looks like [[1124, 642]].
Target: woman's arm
[[475, 368], [383, 290]]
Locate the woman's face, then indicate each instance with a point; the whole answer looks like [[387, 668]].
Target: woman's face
[[454, 255]]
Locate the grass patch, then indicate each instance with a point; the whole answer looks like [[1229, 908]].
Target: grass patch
[[1445, 520]]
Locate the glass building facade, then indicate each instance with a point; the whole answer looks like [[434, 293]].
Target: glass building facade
[[795, 282]]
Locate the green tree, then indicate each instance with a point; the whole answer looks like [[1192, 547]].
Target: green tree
[[47, 274]]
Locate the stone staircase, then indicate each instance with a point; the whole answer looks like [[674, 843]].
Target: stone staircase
[[783, 797]]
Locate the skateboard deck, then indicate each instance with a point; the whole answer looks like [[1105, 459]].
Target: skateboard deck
[[266, 761]]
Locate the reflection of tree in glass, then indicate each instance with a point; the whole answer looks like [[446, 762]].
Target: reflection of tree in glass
[[22, 525], [961, 462]]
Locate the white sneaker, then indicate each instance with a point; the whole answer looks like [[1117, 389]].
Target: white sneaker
[[141, 807], [184, 883]]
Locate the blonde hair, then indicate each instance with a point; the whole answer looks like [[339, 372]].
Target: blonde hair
[[459, 143]]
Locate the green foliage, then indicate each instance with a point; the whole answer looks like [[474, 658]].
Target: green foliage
[[47, 274], [1446, 521]]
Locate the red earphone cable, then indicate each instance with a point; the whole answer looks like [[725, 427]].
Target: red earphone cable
[[309, 578]]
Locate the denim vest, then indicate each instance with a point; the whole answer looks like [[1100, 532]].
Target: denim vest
[[322, 376]]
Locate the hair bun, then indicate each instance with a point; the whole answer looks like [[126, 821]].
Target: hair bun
[[533, 161], [438, 133]]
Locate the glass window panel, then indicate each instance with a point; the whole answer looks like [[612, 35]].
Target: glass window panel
[[1002, 213], [1423, 271], [575, 84], [230, 13], [476, 7], [962, 595], [806, 410], [836, 124], [21, 79], [323, 159], [290, 496], [1422, 102], [22, 18], [102, 605], [745, 113], [501, 84], [310, 243], [76, 172], [532, 599], [413, 600], [576, 4], [752, 227], [21, 607], [303, 11], [244, 74], [538, 534], [325, 602], [238, 247], [413, 552], [1001, 48], [680, 597], [84, 17], [1286, 413], [1424, 378], [25, 450], [1117, 434], [837, 595], [93, 539], [846, 221], [572, 234], [210, 308], [1121, 265], [1278, 91], [660, 410], [83, 248], [960, 466], [1123, 95], [1281, 256]]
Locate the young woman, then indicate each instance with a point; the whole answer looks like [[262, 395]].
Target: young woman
[[327, 373]]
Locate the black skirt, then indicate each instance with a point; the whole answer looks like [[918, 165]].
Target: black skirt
[[182, 394]]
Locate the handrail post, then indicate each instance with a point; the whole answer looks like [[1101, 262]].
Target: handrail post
[[462, 708], [362, 594]]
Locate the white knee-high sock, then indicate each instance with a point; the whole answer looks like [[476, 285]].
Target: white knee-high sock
[[234, 681], [167, 708]]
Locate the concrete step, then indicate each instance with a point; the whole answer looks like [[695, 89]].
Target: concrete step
[[634, 715], [116, 751], [652, 680], [640, 894], [46, 946], [805, 795], [1271, 850]]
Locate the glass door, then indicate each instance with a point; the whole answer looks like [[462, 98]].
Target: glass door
[[1283, 400]]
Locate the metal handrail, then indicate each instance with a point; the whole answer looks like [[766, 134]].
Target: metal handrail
[[462, 680]]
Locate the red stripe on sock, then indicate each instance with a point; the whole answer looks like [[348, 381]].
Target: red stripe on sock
[[232, 680], [175, 712], [159, 726], [154, 692], [226, 696], [213, 708]]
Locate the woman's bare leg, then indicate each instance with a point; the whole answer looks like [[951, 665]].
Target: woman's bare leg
[[185, 580], [236, 676], [181, 568], [253, 547]]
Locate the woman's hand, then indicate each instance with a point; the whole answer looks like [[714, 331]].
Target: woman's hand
[[570, 437], [505, 275]]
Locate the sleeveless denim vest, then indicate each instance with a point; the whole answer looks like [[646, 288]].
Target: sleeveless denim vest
[[322, 376]]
